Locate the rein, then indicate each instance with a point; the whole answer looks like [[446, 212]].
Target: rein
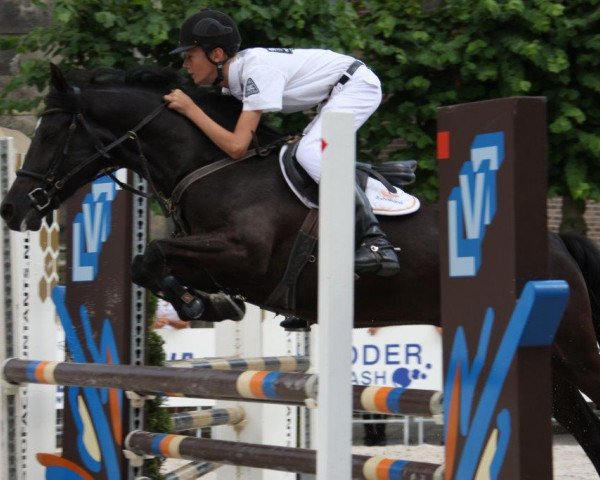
[[44, 196]]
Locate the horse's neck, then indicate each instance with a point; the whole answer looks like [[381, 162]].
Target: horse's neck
[[172, 145], [168, 153]]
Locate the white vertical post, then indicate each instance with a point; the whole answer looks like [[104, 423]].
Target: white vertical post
[[336, 297]]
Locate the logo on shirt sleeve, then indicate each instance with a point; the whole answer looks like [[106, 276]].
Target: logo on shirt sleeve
[[281, 50], [251, 88]]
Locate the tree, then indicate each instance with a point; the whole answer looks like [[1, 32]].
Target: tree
[[461, 51], [470, 50]]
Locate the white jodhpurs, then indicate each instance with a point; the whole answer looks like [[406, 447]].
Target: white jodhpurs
[[361, 95]]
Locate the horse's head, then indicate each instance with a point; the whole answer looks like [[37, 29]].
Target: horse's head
[[71, 146], [87, 132], [59, 143]]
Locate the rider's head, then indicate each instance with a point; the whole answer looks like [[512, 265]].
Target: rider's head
[[215, 33]]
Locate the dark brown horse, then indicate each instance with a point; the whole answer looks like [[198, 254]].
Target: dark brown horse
[[242, 221]]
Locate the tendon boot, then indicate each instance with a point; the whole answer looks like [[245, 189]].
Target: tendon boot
[[189, 306], [375, 253]]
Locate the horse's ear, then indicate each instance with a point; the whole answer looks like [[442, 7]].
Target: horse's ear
[[57, 79]]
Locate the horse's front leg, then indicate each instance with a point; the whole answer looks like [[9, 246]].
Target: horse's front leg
[[169, 267]]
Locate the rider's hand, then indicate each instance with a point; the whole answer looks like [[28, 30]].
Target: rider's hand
[[180, 102], [160, 322]]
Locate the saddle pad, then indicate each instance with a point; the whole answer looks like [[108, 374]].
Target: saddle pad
[[382, 201]]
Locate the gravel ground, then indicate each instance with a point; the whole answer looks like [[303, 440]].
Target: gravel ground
[[570, 463]]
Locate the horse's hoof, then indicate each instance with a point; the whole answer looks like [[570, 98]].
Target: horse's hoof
[[221, 306], [295, 324]]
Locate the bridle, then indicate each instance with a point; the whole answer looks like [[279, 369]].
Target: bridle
[[46, 195]]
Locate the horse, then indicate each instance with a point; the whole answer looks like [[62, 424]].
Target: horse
[[241, 223]]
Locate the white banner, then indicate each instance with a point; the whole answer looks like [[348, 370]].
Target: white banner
[[403, 356], [31, 318]]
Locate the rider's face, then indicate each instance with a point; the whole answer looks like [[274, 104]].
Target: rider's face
[[202, 71]]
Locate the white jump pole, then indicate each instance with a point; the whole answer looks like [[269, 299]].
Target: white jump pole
[[336, 297]]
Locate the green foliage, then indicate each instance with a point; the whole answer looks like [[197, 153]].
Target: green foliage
[[467, 50], [472, 50]]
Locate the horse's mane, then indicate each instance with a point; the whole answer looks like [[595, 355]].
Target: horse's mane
[[159, 79], [224, 109]]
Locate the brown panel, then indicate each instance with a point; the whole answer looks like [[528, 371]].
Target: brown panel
[[513, 251], [107, 300]]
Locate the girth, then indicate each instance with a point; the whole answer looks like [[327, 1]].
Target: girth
[[303, 252]]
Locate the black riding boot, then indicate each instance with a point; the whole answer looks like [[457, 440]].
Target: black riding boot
[[375, 253]]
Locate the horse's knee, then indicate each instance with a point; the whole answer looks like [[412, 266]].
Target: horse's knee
[[154, 254], [147, 268], [138, 275]]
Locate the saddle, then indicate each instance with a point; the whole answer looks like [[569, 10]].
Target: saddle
[[390, 174]]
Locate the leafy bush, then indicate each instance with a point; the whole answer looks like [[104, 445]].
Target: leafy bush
[[463, 51]]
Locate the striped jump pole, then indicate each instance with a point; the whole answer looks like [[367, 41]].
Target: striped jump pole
[[266, 387], [298, 460], [207, 418], [281, 364]]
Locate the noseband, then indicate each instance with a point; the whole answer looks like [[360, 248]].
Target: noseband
[[46, 195]]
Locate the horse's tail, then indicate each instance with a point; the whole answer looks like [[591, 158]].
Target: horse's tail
[[587, 256]]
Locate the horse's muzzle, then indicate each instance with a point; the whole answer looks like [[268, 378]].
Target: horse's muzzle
[[20, 219]]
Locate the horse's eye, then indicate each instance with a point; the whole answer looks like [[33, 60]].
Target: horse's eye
[[48, 135]]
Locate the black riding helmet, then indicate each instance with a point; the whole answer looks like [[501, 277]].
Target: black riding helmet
[[209, 29]]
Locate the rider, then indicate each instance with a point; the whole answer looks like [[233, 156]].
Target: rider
[[287, 80]]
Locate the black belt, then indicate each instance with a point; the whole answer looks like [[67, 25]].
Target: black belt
[[349, 72]]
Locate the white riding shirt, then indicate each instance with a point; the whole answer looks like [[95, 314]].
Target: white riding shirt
[[284, 79]]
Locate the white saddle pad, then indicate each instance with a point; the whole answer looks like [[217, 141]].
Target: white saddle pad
[[385, 203]]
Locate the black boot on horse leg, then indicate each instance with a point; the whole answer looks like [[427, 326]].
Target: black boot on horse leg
[[196, 305], [189, 306], [147, 270], [375, 253]]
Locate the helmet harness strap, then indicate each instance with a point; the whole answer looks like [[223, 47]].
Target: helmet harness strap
[[219, 66], [220, 77]]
